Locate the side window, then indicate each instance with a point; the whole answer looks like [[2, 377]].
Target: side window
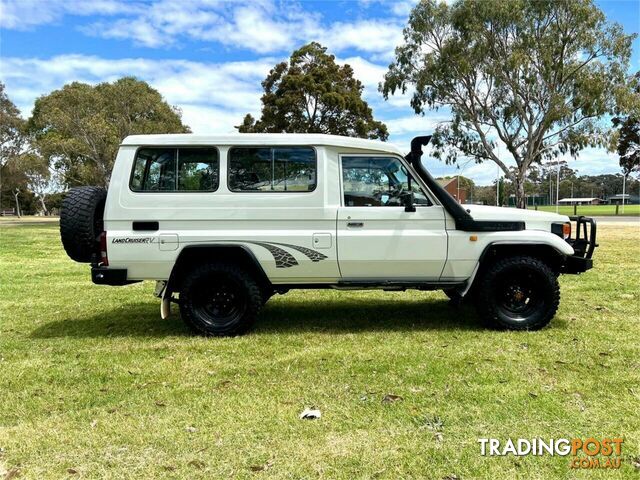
[[198, 169], [263, 169], [377, 182], [175, 170]]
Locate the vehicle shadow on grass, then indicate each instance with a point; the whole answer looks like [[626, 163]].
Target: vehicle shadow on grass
[[377, 315], [332, 316]]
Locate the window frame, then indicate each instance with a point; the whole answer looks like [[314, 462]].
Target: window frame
[[177, 158], [434, 201], [315, 164]]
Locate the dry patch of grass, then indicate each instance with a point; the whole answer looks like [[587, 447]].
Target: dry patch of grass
[[95, 385]]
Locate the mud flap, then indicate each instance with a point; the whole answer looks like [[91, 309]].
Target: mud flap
[[162, 292], [165, 307]]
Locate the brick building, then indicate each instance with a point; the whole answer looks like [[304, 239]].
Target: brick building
[[451, 185]]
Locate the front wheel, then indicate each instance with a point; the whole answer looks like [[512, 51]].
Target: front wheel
[[220, 299], [518, 293]]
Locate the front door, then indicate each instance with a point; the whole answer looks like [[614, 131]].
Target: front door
[[377, 238]]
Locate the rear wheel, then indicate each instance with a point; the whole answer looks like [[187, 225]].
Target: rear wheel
[[220, 299], [518, 293]]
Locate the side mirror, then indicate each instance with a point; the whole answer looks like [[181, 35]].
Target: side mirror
[[409, 202]]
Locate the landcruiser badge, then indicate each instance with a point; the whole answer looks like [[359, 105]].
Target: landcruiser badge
[[133, 240]]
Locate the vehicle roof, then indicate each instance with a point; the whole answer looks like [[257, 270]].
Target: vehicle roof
[[258, 139]]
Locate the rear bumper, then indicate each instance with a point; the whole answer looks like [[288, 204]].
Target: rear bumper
[[584, 244], [110, 276]]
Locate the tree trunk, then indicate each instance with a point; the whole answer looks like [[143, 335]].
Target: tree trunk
[[44, 207], [521, 199], [16, 192]]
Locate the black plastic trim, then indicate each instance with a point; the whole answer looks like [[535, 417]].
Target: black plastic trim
[[373, 284], [110, 276], [146, 226], [464, 221], [170, 288]]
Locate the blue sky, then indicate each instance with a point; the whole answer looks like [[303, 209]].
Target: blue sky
[[208, 57]]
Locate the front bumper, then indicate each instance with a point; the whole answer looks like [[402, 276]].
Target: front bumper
[[110, 276], [584, 244]]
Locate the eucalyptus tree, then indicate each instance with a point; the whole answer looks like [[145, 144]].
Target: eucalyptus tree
[[534, 76]]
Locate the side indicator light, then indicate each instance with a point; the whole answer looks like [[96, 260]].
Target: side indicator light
[[473, 238]]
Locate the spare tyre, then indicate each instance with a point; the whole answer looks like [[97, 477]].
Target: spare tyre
[[81, 222]]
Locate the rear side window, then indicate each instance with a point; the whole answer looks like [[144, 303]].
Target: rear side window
[[264, 169], [175, 170]]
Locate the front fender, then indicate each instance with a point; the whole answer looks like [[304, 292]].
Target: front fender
[[536, 237], [467, 249]]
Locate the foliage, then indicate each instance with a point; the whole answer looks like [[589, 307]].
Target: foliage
[[628, 141], [79, 127], [313, 94], [11, 129], [532, 75], [12, 142]]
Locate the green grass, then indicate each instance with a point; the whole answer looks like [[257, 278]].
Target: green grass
[[593, 210], [94, 381]]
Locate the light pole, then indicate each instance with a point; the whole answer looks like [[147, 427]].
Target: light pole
[[498, 187], [558, 188], [624, 184]]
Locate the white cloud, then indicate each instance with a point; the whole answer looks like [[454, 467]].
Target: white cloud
[[257, 26], [412, 124], [372, 36], [213, 96], [26, 14]]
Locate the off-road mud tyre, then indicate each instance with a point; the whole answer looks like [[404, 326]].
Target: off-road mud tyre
[[518, 293], [81, 222], [220, 299]]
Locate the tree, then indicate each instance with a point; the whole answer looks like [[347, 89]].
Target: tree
[[532, 75], [79, 127], [313, 94], [12, 142], [628, 139], [38, 178]]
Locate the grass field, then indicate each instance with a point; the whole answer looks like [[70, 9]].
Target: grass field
[[95, 385], [593, 210]]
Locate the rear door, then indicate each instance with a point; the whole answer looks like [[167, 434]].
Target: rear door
[[377, 238]]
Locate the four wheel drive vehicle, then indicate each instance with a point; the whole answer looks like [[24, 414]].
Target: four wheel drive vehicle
[[224, 222]]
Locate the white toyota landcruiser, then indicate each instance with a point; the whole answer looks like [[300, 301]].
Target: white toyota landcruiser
[[224, 222]]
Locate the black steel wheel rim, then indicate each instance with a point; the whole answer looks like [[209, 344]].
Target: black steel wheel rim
[[518, 294], [220, 303]]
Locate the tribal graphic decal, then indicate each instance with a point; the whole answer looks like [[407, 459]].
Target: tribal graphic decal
[[283, 258]]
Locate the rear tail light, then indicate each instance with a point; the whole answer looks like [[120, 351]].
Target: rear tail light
[[104, 260]]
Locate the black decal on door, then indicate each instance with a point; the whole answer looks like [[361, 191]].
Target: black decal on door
[[283, 258]]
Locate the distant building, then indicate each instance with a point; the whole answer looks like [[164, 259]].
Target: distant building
[[581, 201], [628, 199], [451, 186]]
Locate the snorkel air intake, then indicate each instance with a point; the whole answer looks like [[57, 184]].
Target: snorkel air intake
[[464, 221]]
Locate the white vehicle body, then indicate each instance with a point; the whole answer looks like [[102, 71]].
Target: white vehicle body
[[309, 211], [391, 244]]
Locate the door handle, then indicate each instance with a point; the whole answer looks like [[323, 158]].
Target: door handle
[[355, 224]]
